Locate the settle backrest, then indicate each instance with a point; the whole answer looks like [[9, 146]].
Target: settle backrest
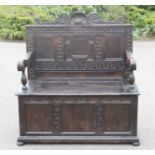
[[78, 43]]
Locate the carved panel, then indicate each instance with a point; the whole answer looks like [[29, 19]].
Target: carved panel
[[107, 29], [82, 65], [58, 101], [80, 43], [79, 52]]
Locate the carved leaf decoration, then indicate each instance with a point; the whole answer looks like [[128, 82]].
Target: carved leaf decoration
[[79, 18]]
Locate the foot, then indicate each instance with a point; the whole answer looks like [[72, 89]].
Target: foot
[[20, 143], [136, 143]]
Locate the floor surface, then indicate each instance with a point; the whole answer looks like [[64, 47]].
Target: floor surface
[[10, 53]]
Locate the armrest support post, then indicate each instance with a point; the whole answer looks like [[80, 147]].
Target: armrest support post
[[21, 66], [131, 64], [130, 60]]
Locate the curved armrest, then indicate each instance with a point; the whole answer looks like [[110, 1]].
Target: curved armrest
[[131, 63], [21, 66], [130, 60]]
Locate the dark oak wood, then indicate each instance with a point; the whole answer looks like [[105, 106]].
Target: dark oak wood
[[80, 86]]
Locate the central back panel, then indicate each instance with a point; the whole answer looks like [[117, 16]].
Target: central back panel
[[77, 52]]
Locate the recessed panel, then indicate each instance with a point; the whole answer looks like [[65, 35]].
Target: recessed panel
[[78, 52], [38, 117], [78, 118], [44, 48], [117, 117], [114, 47], [78, 47]]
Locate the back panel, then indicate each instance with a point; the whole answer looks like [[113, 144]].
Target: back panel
[[78, 46]]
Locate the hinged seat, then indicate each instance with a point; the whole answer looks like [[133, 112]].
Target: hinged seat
[[77, 87]]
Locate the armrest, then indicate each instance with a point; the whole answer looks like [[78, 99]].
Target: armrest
[[130, 60], [21, 66], [28, 58], [131, 63]]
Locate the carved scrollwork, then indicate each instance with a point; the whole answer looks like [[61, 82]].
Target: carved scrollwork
[[63, 19], [79, 18], [94, 18], [82, 65]]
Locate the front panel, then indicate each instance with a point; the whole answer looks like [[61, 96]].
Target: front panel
[[79, 116]]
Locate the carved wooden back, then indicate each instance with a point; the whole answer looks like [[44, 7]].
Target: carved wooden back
[[80, 43]]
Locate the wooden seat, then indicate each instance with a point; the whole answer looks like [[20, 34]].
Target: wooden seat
[[39, 87], [79, 86]]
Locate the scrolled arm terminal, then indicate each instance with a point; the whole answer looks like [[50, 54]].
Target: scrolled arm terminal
[[131, 64], [21, 66], [130, 60]]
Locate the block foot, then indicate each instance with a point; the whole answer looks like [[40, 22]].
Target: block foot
[[20, 143], [136, 143]]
